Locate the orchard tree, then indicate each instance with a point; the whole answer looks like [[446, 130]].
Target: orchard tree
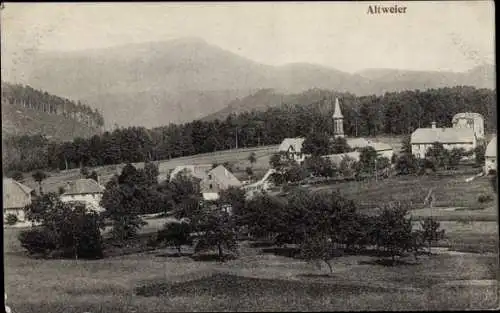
[[406, 164], [320, 167], [431, 232], [249, 171], [252, 158], [318, 248], [39, 177], [151, 172], [394, 230], [339, 145], [176, 233], [216, 229], [317, 144], [367, 158]]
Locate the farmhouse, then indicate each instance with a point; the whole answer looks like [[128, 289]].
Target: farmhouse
[[470, 120], [457, 137], [216, 180], [212, 180], [490, 156], [84, 191], [15, 197], [292, 149]]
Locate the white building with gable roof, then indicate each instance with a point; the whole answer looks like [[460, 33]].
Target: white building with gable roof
[[84, 191], [423, 138]]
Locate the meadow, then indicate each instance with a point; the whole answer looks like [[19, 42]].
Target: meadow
[[156, 281], [449, 190]]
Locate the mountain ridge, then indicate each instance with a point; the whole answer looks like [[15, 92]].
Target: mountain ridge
[[175, 81]]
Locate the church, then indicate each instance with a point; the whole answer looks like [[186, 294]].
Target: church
[[292, 147]]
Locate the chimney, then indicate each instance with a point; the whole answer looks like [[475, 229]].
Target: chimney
[[433, 125], [99, 179]]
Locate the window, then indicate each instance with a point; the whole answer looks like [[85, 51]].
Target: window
[[210, 186], [210, 177]]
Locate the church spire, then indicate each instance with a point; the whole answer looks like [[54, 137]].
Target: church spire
[[338, 120], [337, 113]]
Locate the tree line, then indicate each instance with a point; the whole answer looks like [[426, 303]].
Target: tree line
[[393, 113], [39, 100]]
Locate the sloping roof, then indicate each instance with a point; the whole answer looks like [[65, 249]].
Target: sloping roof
[[442, 135], [358, 143], [199, 170], [295, 143], [337, 158], [224, 177], [491, 148], [467, 115], [15, 194], [337, 113], [83, 186]]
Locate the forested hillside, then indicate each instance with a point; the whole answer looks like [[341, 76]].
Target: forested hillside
[[16, 97], [393, 113], [416, 106]]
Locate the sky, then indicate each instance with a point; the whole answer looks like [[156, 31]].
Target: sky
[[446, 35]]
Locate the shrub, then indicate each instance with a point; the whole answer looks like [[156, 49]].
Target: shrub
[[17, 176], [37, 241], [65, 230], [484, 198], [11, 219]]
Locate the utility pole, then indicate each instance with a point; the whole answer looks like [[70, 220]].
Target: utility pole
[[376, 176], [236, 137]]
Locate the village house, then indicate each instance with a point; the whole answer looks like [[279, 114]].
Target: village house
[[457, 137], [490, 156], [84, 191], [212, 180], [16, 197], [217, 180], [292, 149]]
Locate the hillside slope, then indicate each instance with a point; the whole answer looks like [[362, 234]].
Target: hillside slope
[[153, 84], [17, 120]]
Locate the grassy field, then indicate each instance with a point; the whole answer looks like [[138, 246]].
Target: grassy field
[[449, 190], [257, 281]]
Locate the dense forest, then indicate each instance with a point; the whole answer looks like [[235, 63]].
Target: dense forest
[[31, 98], [393, 113]]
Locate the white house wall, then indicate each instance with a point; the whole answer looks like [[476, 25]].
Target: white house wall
[[419, 150], [92, 199]]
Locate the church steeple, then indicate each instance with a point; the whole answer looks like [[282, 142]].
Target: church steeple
[[338, 120]]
